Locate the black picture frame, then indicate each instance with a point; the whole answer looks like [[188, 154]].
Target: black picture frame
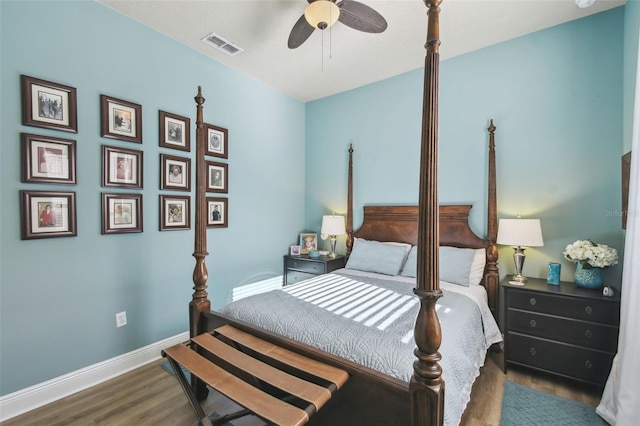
[[48, 214], [175, 131], [217, 140], [217, 212], [46, 159], [175, 212], [175, 172], [49, 105], [217, 177], [120, 119], [122, 167], [121, 213]]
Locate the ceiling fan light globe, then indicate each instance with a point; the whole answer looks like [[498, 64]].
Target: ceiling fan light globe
[[322, 14]]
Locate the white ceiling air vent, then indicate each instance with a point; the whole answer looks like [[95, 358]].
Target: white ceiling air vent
[[220, 43]]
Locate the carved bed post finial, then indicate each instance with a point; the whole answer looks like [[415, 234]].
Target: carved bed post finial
[[350, 203], [426, 388], [199, 301], [491, 274]]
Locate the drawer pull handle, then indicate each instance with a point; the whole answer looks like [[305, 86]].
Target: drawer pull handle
[[315, 266], [532, 323], [588, 334], [588, 310], [532, 301], [532, 351], [588, 364]]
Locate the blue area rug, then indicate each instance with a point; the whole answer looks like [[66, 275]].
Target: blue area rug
[[525, 406]]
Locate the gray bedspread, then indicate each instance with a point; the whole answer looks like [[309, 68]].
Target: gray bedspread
[[370, 321]]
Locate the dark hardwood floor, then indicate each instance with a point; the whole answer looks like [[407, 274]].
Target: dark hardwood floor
[[151, 396]]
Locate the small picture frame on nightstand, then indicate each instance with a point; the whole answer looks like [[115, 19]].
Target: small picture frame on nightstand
[[295, 251]]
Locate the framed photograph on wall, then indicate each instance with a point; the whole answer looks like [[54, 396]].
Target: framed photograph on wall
[[218, 209], [175, 131], [174, 172], [217, 141], [121, 213], [175, 212], [48, 160], [121, 167], [49, 105], [308, 242], [121, 119], [217, 177], [48, 214]]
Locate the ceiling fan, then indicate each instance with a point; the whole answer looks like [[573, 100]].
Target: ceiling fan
[[322, 14]]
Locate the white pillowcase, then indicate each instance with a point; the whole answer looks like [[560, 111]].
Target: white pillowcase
[[460, 266], [376, 256]]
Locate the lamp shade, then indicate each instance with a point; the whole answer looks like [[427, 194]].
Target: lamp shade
[[322, 14], [520, 232], [333, 225]]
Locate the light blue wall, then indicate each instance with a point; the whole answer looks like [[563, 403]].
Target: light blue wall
[[59, 296], [556, 97]]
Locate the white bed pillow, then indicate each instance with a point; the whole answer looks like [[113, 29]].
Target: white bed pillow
[[460, 266], [378, 257]]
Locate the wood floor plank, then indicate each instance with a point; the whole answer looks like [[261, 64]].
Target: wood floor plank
[[156, 399]]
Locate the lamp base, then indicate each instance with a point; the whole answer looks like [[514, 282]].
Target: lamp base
[[333, 246], [520, 278]]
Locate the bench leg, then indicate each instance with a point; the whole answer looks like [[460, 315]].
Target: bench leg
[[186, 387]]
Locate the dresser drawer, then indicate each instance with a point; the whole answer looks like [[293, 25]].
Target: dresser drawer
[[583, 333], [306, 265], [583, 309], [295, 276], [588, 365]]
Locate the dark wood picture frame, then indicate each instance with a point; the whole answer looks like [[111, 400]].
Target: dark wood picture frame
[[120, 119], [48, 214], [49, 105], [626, 174], [217, 212], [175, 212], [121, 213], [175, 172], [175, 131], [46, 159], [121, 167], [217, 141], [217, 177]]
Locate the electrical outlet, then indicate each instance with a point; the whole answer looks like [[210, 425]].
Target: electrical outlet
[[121, 319]]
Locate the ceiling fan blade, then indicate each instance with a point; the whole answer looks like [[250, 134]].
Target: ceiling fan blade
[[299, 33], [361, 17]]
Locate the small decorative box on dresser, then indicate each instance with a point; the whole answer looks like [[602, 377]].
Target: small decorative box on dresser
[[561, 329], [298, 268]]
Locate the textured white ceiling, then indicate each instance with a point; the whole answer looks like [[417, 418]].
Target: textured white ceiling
[[341, 58]]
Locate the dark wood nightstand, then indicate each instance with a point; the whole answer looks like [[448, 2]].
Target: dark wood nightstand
[[561, 329], [298, 268]]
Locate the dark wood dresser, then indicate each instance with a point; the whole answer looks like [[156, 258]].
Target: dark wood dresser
[[561, 329], [298, 268]]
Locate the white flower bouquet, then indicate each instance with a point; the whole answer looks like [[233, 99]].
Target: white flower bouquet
[[590, 254]]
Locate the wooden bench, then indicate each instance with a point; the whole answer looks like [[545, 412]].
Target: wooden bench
[[277, 385]]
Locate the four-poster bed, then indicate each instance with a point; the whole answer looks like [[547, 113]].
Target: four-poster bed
[[414, 395]]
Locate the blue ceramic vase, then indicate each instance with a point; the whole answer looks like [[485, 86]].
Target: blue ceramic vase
[[588, 278]]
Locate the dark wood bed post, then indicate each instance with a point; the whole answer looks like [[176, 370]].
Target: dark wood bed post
[[199, 302], [426, 388], [350, 203], [491, 274]]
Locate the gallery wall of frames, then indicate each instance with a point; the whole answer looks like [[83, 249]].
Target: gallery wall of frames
[[53, 161]]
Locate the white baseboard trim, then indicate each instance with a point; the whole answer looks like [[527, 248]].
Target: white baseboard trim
[[19, 402]]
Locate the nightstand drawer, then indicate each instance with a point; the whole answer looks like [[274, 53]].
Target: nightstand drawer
[[295, 276], [306, 265], [583, 333], [573, 361], [574, 307]]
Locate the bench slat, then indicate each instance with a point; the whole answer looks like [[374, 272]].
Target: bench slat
[[332, 374], [260, 403]]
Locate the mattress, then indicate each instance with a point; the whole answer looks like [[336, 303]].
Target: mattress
[[370, 318]]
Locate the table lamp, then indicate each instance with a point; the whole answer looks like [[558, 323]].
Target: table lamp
[[519, 233], [332, 226]]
